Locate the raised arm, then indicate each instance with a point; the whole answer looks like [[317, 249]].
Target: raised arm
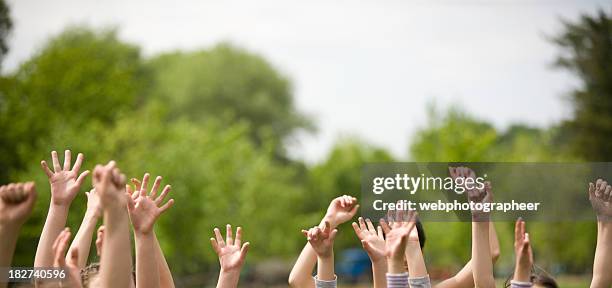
[[65, 184], [82, 240], [395, 247], [67, 262], [116, 258], [600, 195], [523, 256], [16, 203], [373, 242], [340, 210], [232, 253], [481, 253], [322, 242], [147, 209]]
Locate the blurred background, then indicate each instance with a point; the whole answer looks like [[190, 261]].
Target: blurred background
[[260, 112]]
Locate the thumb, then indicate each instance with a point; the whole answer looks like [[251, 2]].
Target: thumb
[[244, 250], [332, 235]]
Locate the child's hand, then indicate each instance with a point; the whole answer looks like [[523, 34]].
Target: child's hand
[[16, 203], [146, 208], [600, 195], [110, 186], [483, 196], [60, 245], [372, 239], [231, 253], [397, 233], [321, 239], [100, 240], [64, 182], [341, 209], [523, 252], [93, 203]]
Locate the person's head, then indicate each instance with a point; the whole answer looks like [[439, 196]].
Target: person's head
[[89, 275], [543, 281]]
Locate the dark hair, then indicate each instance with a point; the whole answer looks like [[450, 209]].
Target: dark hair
[[544, 280], [421, 232]]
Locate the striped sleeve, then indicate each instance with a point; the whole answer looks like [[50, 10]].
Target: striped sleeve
[[397, 280], [326, 283], [519, 284], [419, 282]]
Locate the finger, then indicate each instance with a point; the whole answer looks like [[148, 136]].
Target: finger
[[522, 231], [380, 232], [356, 228], [598, 183], [145, 184], [517, 230], [136, 183], [45, 168], [362, 224], [166, 206], [131, 202], [155, 188], [67, 160], [74, 257], [214, 244], [370, 225], [354, 210], [82, 177], [162, 196], [606, 195], [30, 189], [77, 164], [219, 238], [602, 188], [385, 226], [591, 190], [56, 164], [342, 203], [238, 240], [229, 238], [244, 250], [305, 232]]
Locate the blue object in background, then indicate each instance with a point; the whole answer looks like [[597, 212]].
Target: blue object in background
[[353, 264]]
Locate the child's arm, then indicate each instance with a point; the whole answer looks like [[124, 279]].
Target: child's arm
[[67, 262], [165, 276], [16, 203], [373, 241], [232, 254], [481, 248], [82, 240], [601, 200], [116, 258], [143, 214], [64, 186], [322, 242], [523, 254], [340, 210], [395, 247]]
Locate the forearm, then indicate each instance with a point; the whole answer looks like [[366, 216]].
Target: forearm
[[116, 258], [493, 242], [603, 256], [416, 263], [301, 274], [146, 261], [54, 224], [8, 241], [82, 240], [379, 272], [165, 276], [228, 279], [481, 255], [325, 268]]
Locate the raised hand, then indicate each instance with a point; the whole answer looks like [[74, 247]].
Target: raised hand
[[93, 203], [372, 239], [523, 252], [145, 207], [321, 239], [600, 195], [232, 252], [16, 203], [110, 186], [397, 233], [64, 181], [340, 210], [69, 264]]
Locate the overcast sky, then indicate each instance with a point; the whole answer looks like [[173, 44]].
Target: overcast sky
[[360, 68]]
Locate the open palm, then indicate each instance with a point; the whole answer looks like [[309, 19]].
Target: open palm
[[372, 239], [145, 207], [64, 181], [232, 252]]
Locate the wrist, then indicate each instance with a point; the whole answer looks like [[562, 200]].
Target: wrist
[[521, 273], [330, 219], [143, 233], [396, 266]]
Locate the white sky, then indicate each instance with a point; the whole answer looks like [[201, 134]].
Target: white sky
[[360, 68]]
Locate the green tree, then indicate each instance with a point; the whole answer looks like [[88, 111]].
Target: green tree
[[6, 25], [228, 83], [586, 50], [78, 77]]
